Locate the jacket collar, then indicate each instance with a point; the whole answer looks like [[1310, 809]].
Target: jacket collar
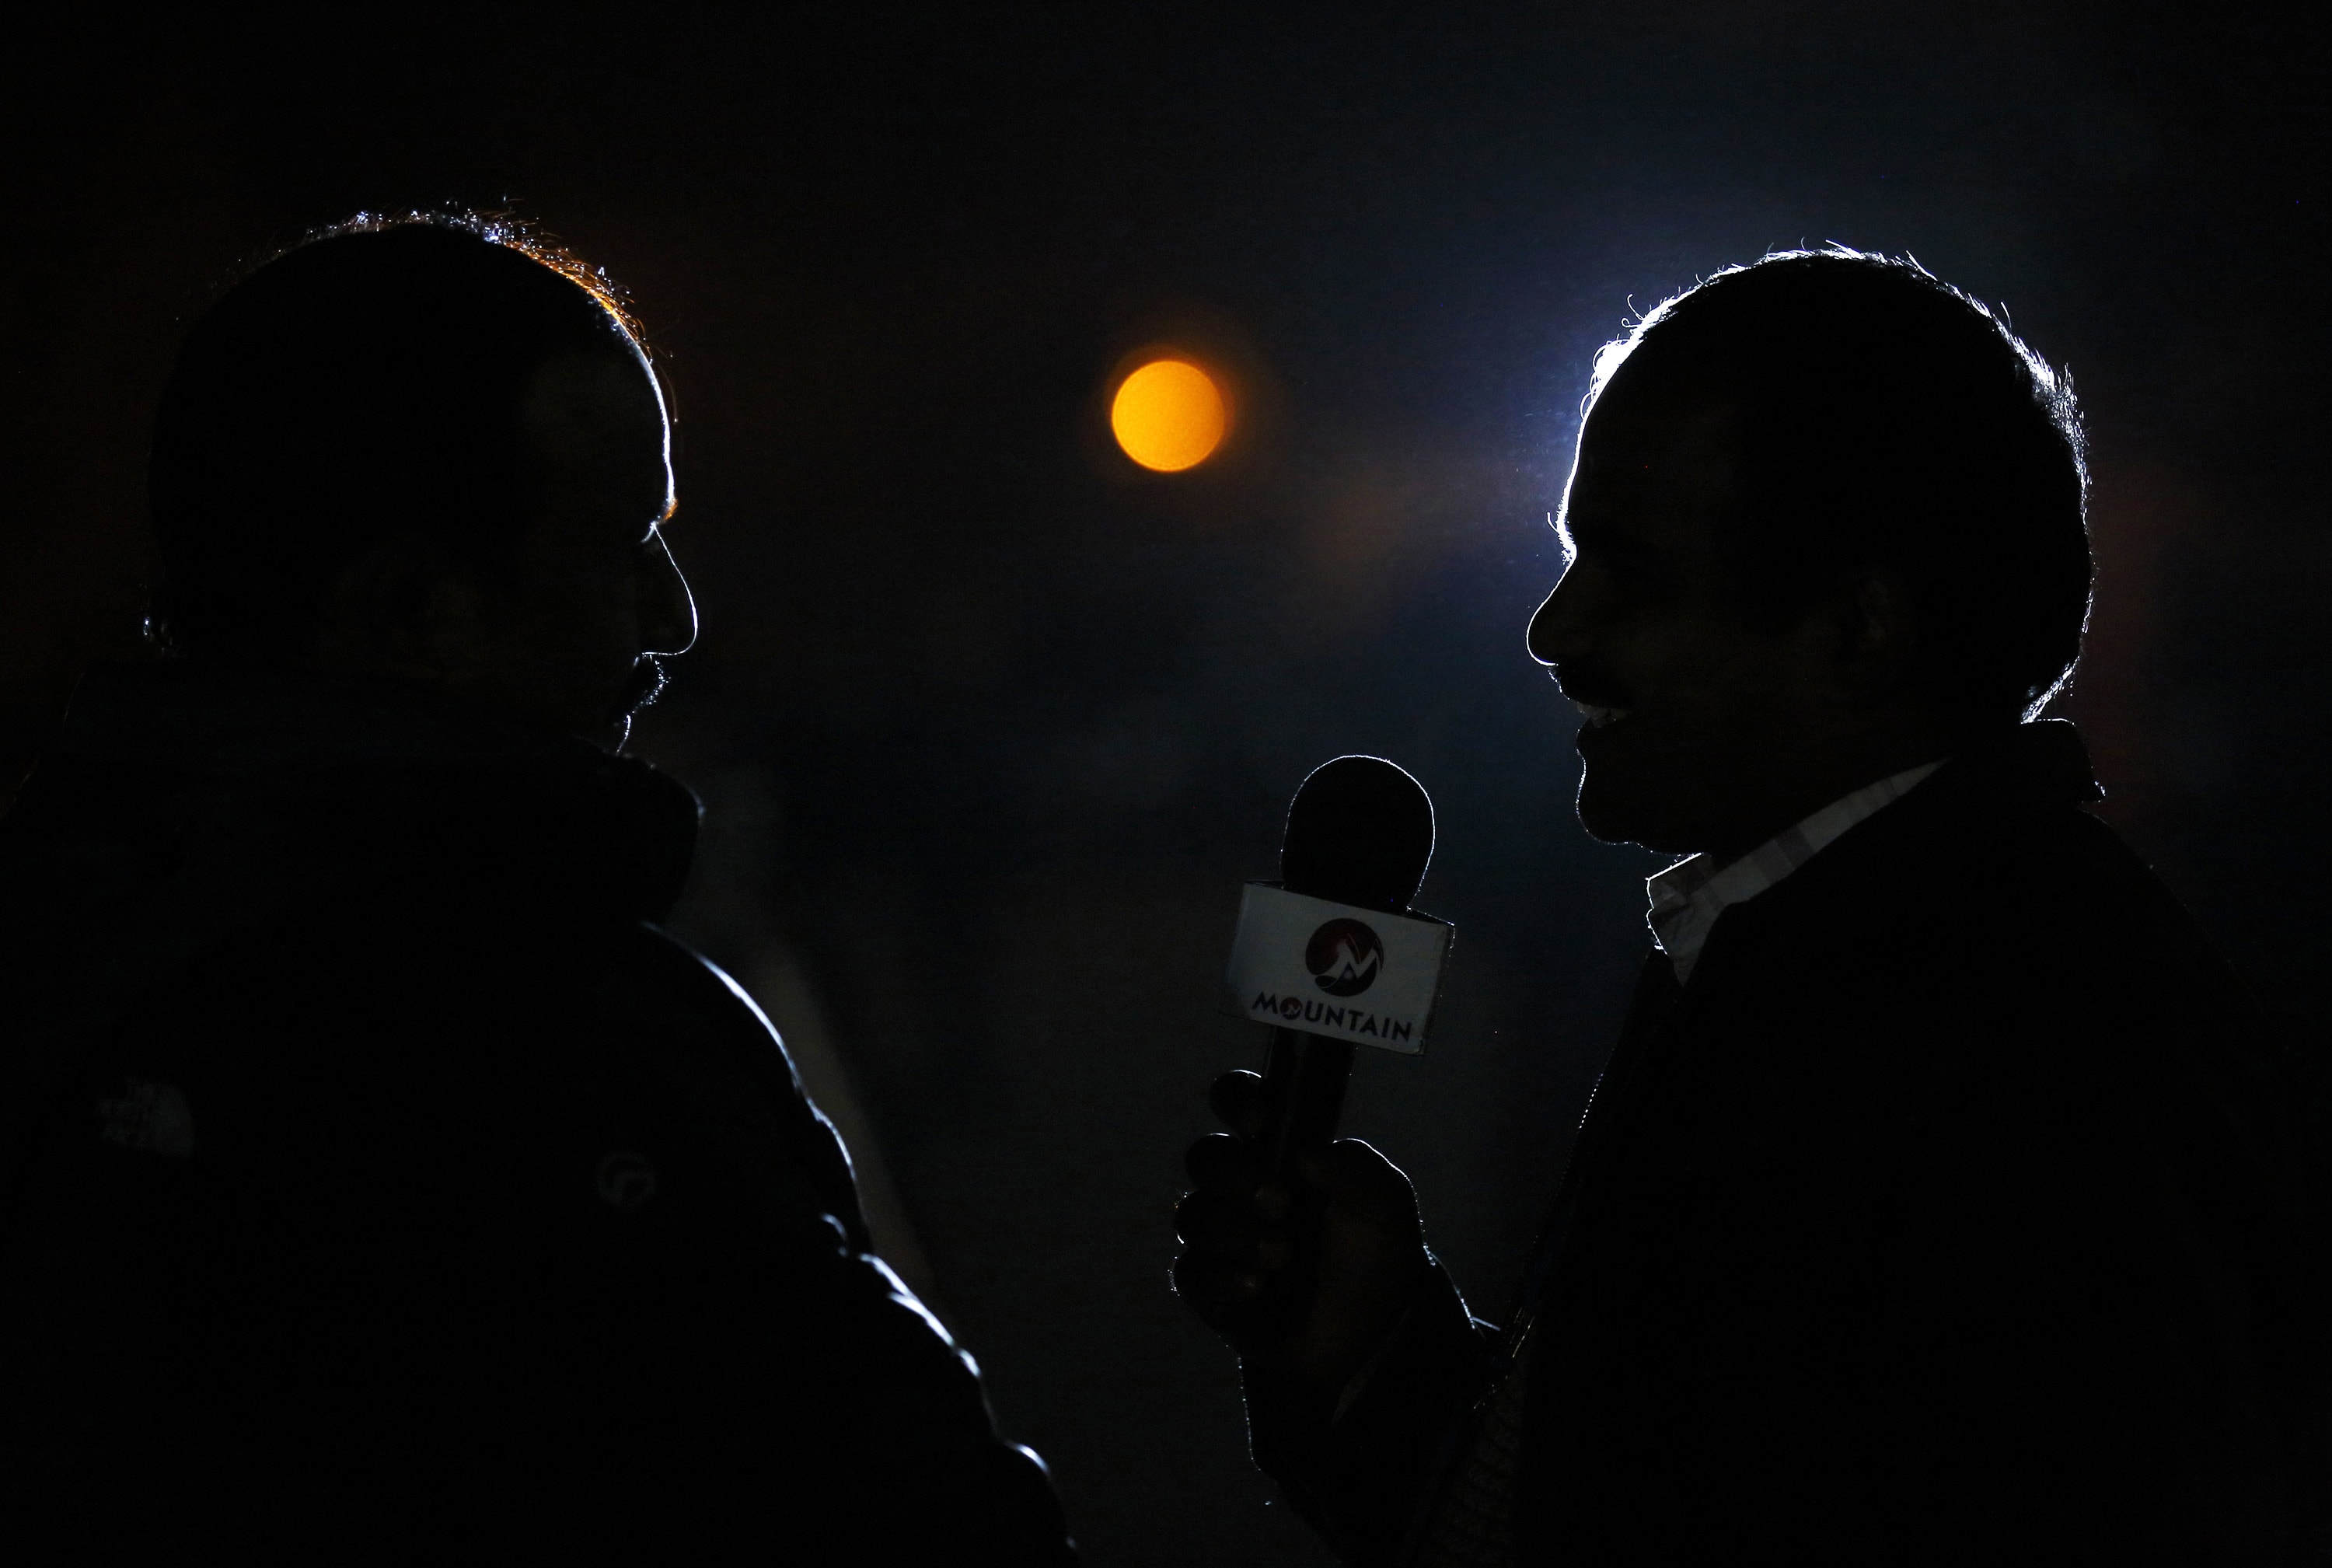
[[330, 780], [1687, 899], [1995, 781]]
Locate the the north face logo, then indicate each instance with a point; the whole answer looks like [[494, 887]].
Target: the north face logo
[[150, 1117], [624, 1180]]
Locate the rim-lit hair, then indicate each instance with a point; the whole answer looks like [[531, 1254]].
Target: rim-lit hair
[[511, 232]]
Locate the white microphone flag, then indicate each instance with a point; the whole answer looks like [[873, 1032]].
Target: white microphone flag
[[1333, 970]]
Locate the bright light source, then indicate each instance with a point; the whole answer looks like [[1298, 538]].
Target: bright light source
[[1168, 415]]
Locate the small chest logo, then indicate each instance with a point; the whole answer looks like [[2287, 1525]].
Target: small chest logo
[[1344, 957], [626, 1180], [150, 1117]]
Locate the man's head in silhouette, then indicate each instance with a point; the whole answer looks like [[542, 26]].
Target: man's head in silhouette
[[1826, 524], [430, 451]]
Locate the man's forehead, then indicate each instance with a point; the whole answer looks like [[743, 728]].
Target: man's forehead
[[596, 419], [586, 397], [1653, 452]]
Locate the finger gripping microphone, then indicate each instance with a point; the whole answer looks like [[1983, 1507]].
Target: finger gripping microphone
[[1334, 957]]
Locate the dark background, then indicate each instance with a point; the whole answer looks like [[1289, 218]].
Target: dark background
[[991, 725]]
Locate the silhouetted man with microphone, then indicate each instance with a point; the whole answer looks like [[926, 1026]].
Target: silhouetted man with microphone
[[1931, 1206], [378, 1182]]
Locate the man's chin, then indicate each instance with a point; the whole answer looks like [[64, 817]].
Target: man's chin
[[1613, 813], [1604, 822]]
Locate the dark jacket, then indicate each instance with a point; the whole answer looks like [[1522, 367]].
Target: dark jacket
[[379, 1179], [1942, 1215]]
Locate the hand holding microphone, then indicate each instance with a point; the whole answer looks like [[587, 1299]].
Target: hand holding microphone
[[1302, 1251]]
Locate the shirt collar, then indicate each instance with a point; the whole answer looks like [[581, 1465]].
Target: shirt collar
[[1687, 898]]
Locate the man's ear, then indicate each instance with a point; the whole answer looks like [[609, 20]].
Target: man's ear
[[1877, 629], [405, 605]]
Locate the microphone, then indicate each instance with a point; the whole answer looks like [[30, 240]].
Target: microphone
[[1360, 835]]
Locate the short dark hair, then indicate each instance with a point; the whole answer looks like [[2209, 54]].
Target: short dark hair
[[367, 380], [1887, 418]]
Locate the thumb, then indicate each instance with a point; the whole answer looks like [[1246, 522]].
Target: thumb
[[1359, 1180]]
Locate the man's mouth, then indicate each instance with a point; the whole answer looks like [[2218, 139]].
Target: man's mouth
[[1596, 697], [642, 687]]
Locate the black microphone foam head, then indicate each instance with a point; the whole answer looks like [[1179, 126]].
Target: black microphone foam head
[[1360, 831]]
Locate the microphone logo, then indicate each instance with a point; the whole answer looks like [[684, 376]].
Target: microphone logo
[[1344, 957]]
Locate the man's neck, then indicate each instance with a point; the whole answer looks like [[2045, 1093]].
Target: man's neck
[[1807, 789]]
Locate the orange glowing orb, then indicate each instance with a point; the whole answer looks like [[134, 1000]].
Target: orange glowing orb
[[1168, 415]]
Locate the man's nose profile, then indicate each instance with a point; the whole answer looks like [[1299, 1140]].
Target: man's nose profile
[[384, 1182]]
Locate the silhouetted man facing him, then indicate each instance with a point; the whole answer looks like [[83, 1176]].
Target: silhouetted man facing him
[[1927, 1208], [379, 1182]]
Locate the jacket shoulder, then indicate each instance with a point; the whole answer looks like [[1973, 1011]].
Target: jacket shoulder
[[357, 1040]]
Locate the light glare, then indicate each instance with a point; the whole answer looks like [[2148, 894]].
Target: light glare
[[1168, 416]]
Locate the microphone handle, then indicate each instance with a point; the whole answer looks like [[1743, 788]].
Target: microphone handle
[[1304, 1080]]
